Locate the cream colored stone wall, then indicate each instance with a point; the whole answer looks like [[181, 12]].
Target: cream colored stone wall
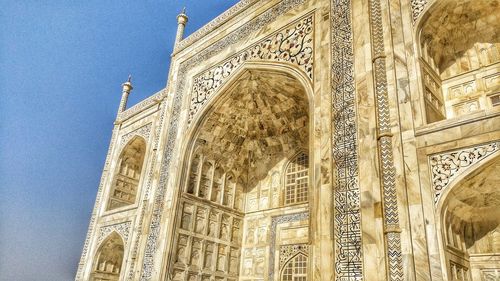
[[388, 141]]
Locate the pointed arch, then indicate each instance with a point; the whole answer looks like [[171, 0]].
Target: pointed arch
[[108, 260], [127, 174], [468, 219], [295, 268], [296, 179]]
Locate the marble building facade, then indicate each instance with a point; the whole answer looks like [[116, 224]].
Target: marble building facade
[[341, 140]]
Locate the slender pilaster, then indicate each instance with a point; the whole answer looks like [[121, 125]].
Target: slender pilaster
[[392, 231]]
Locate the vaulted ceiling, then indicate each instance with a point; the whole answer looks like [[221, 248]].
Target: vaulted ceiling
[[455, 25], [260, 119]]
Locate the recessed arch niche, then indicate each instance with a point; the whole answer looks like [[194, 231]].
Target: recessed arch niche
[[108, 259], [470, 225], [239, 150], [459, 43], [128, 174]]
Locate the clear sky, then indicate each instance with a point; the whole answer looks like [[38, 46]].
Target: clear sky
[[61, 68]]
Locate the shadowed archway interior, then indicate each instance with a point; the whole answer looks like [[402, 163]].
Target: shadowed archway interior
[[471, 218], [249, 162]]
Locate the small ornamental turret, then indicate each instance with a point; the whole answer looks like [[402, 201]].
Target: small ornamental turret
[[182, 20], [127, 88]]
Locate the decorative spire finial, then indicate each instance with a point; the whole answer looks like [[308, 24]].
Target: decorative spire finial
[[129, 78], [182, 19]]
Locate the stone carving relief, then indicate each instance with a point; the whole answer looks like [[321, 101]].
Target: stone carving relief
[[288, 251], [459, 272], [121, 228], [141, 106], [200, 249], [417, 7], [143, 131], [231, 39], [293, 44], [275, 221], [392, 232], [445, 167], [240, 7], [490, 274], [347, 208]]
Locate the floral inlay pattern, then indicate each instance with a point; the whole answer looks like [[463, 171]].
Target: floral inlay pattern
[[447, 166], [294, 44]]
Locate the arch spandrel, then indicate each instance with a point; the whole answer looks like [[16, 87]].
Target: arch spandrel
[[450, 167], [292, 45]]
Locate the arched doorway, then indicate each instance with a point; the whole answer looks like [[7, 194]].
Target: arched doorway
[[108, 259], [470, 225], [248, 163], [459, 42]]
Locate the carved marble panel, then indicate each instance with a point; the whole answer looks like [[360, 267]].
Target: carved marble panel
[[121, 228], [294, 44], [445, 167]]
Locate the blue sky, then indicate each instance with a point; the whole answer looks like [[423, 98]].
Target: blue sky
[[61, 67]]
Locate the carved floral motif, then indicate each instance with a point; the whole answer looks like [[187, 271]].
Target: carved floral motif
[[143, 131], [445, 167], [293, 45], [123, 229], [173, 124], [417, 7], [288, 251]]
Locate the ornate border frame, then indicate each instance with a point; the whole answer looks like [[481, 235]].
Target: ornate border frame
[[348, 257], [173, 126]]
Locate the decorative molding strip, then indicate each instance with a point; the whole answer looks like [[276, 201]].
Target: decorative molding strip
[[417, 7], [93, 218], [445, 167], [173, 122], [143, 132], [140, 221], [141, 106], [288, 251], [123, 229], [238, 8], [347, 203], [392, 231], [293, 44], [274, 223]]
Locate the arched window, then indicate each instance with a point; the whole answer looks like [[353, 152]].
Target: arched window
[[297, 180], [295, 269], [108, 260], [126, 181]]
